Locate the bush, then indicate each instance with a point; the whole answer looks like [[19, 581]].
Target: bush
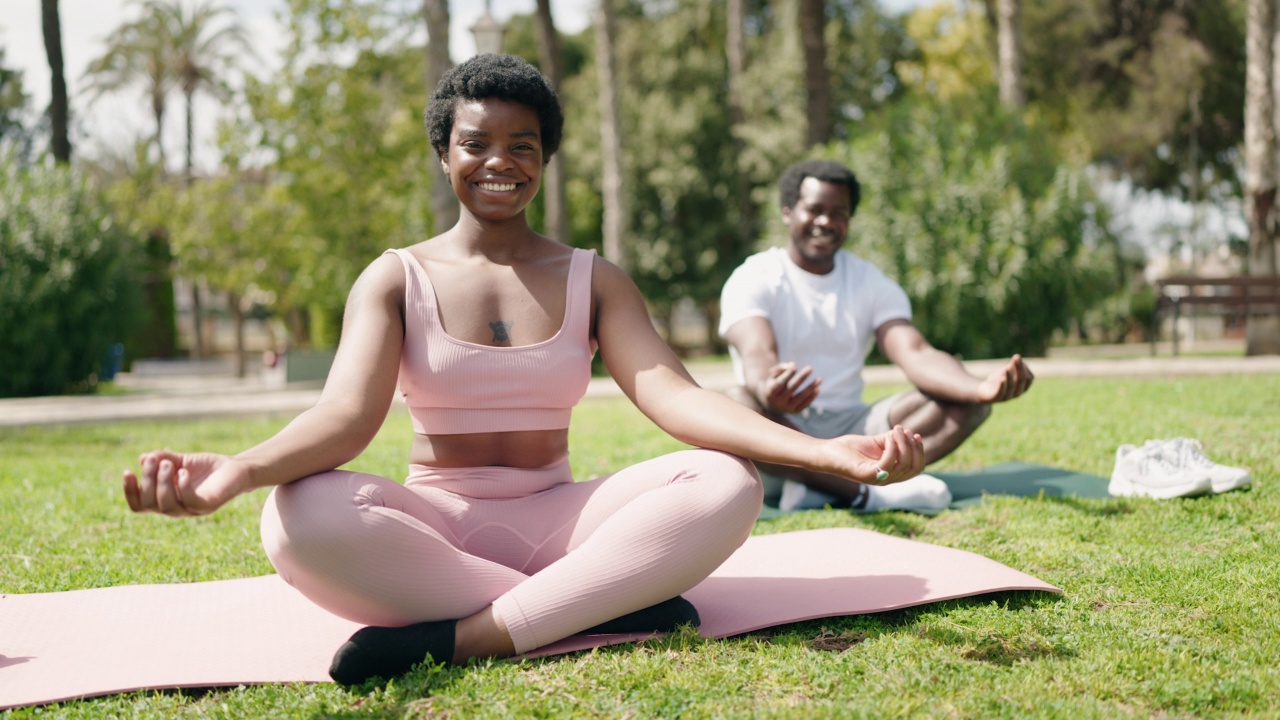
[[993, 237], [66, 283]]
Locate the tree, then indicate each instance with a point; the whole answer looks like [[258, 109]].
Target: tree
[[1260, 145], [736, 57], [347, 73], [553, 185], [58, 106], [812, 17], [15, 136], [444, 205], [1118, 76], [992, 236], [1010, 55], [137, 52], [616, 247], [206, 44], [204, 48]]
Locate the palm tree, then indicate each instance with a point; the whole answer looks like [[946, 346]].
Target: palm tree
[[444, 205], [615, 246], [206, 42], [137, 53], [204, 48], [557, 222], [58, 106]]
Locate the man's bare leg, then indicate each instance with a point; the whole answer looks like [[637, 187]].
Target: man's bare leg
[[822, 482], [943, 426]]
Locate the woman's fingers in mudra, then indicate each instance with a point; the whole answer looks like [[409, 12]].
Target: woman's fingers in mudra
[[156, 487], [902, 458]]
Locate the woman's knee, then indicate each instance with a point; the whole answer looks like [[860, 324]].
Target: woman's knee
[[314, 516], [735, 477]]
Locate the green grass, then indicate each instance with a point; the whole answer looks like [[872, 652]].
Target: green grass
[[1171, 609]]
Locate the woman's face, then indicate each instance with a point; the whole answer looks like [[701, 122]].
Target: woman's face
[[494, 161]]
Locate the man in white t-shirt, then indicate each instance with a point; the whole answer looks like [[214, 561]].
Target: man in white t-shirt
[[800, 322]]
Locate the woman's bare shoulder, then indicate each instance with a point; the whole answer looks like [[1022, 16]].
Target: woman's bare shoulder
[[383, 278]]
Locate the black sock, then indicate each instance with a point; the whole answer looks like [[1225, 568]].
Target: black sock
[[663, 617], [391, 651]]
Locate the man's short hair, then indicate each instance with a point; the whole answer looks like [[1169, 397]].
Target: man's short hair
[[824, 170], [505, 77]]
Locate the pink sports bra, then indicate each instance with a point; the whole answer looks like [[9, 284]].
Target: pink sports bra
[[453, 387]]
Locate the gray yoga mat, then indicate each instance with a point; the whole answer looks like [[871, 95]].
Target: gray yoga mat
[[1008, 478]]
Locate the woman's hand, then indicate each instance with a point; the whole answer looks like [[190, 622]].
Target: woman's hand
[[178, 484], [876, 460]]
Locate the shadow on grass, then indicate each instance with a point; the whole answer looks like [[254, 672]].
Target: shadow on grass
[[837, 634]]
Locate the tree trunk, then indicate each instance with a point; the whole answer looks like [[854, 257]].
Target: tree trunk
[[188, 161], [197, 322], [557, 215], [444, 204], [157, 111], [817, 80], [58, 106], [1012, 96], [237, 315], [615, 245], [1262, 331], [736, 50]]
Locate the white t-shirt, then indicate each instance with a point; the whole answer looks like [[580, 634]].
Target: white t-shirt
[[825, 321]]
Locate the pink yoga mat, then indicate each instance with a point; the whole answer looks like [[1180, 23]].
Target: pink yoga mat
[[83, 643]]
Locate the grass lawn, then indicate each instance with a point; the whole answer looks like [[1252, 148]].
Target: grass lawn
[[1171, 609]]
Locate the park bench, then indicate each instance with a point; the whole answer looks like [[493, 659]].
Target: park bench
[[1229, 297]]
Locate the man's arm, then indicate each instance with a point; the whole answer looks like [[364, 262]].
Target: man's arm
[[778, 387], [939, 375]]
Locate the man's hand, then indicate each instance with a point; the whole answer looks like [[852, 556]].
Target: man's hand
[[179, 484], [784, 389], [1006, 383]]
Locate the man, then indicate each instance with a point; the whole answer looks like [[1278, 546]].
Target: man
[[800, 321]]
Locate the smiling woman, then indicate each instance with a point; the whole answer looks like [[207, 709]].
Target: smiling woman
[[490, 548]]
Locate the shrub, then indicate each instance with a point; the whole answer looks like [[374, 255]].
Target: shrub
[[993, 237], [66, 282]]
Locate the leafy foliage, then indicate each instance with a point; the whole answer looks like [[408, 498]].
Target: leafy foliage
[[993, 238], [348, 153], [15, 135], [66, 285]]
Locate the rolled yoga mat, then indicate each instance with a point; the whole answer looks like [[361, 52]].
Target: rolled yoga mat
[[85, 643]]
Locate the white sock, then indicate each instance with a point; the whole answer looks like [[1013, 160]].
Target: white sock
[[922, 494]]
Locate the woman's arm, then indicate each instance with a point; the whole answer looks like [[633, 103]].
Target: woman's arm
[[651, 375], [351, 409]]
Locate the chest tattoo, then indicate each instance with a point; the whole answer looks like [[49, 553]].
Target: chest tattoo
[[501, 330]]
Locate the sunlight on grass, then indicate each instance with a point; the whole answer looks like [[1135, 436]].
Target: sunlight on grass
[[1169, 607]]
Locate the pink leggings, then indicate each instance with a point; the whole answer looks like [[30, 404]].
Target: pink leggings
[[552, 556]]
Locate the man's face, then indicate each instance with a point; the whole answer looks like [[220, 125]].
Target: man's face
[[818, 225]]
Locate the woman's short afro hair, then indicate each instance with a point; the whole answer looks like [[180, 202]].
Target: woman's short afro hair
[[824, 170], [505, 77]]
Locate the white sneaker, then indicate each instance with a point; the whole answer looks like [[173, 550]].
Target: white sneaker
[[798, 496], [923, 494], [1150, 471], [1190, 454]]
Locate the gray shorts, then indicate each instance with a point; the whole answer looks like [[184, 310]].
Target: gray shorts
[[870, 419]]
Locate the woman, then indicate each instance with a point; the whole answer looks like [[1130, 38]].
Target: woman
[[489, 548]]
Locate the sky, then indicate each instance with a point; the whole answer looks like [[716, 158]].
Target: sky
[[114, 122]]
